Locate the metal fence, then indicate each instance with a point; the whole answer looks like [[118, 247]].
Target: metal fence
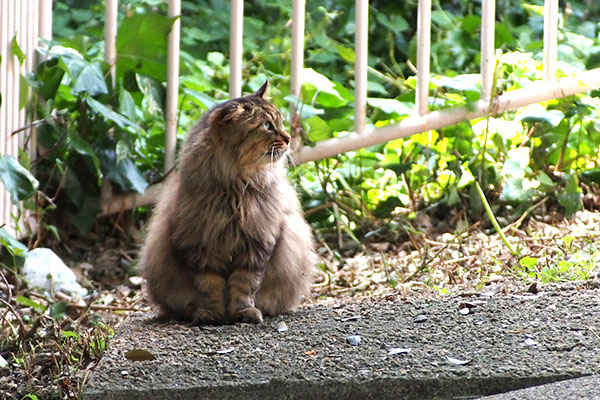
[[423, 120], [22, 22]]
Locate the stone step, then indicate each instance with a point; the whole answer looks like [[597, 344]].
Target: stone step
[[422, 348]]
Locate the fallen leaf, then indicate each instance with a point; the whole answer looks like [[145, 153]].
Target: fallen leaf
[[421, 318], [139, 355], [530, 342], [397, 350], [310, 352], [464, 310], [281, 327], [456, 361], [3, 362], [225, 350], [350, 318], [354, 340]]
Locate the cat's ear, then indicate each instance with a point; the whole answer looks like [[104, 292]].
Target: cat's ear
[[263, 90], [226, 113]]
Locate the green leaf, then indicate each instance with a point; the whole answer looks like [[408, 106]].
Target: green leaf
[[81, 146], [142, 45], [50, 75], [16, 50], [464, 82], [571, 198], [127, 105], [20, 183], [306, 110], [538, 113], [124, 172], [318, 129], [396, 23], [346, 53], [391, 106], [528, 262], [58, 310], [86, 76], [327, 95], [109, 114], [23, 92], [154, 92], [26, 301], [11, 244]]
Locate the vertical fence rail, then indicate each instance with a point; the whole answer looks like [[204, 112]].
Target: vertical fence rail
[[488, 60], [110, 37], [21, 22], [423, 55], [550, 39], [172, 85], [361, 46], [297, 61], [235, 48]]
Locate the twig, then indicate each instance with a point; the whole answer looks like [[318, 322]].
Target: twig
[[492, 218], [22, 330]]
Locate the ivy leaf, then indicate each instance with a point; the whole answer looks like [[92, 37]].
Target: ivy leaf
[[391, 106], [16, 50], [87, 76], [82, 147], [124, 172], [49, 75], [20, 183], [325, 90], [570, 199], [538, 113], [318, 129], [9, 242], [109, 114], [142, 45]]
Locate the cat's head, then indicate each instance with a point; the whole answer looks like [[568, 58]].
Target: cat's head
[[250, 130]]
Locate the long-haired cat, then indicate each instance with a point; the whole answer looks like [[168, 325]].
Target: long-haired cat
[[228, 241]]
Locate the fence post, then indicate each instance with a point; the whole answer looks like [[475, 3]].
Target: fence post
[[110, 37], [235, 48], [423, 54], [488, 59], [172, 85], [550, 39], [361, 46]]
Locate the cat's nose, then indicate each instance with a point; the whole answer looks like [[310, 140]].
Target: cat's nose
[[286, 138]]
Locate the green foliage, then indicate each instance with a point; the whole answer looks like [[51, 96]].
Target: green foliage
[[98, 129]]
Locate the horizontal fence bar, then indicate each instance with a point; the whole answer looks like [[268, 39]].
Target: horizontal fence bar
[[536, 92]]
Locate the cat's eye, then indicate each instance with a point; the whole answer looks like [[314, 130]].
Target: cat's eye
[[268, 126]]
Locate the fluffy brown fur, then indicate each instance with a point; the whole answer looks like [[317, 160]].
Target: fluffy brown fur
[[228, 241]]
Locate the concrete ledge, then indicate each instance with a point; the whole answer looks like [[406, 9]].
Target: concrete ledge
[[503, 343]]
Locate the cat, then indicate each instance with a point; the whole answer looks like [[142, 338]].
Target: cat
[[228, 241]]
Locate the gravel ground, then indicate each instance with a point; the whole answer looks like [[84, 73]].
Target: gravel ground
[[465, 346]]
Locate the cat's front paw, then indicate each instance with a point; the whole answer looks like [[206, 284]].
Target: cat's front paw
[[250, 314], [204, 316]]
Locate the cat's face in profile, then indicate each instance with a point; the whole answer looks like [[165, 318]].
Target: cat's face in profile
[[250, 130]]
